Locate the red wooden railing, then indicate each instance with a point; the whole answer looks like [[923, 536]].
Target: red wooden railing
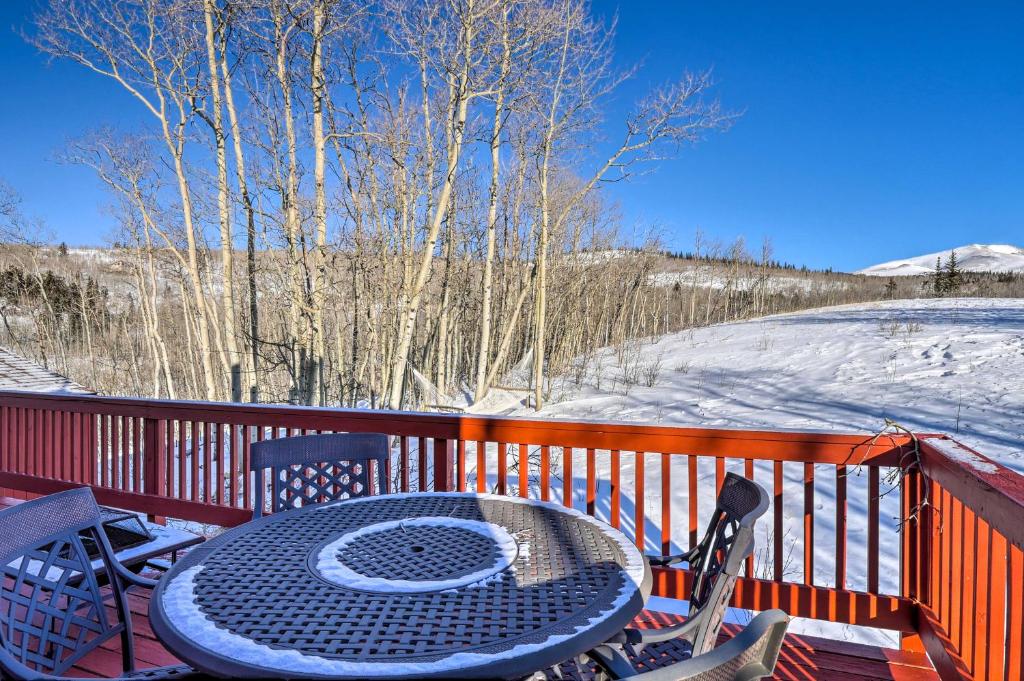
[[969, 584], [189, 460]]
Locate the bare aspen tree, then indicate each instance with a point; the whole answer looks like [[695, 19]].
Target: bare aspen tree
[[580, 74], [212, 16], [456, 67], [416, 188], [147, 49]]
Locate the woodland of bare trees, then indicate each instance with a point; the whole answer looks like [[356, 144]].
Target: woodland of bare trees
[[388, 203], [330, 195]]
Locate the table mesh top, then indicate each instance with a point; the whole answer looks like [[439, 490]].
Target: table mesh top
[[419, 553], [263, 584]]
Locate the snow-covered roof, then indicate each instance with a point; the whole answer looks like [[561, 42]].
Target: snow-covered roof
[[19, 373]]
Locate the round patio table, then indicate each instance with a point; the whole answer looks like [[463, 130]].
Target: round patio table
[[401, 586]]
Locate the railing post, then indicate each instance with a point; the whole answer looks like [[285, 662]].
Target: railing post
[[155, 456], [912, 559], [444, 464]]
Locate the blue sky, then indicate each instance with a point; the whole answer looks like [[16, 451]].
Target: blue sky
[[870, 130]]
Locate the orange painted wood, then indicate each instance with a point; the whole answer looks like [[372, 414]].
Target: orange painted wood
[[195, 456], [524, 470], [956, 585], [591, 481], [639, 500], [614, 491], [35, 447], [183, 462], [974, 508], [135, 501], [236, 463], [778, 536], [771, 445], [990, 489], [873, 544], [545, 473], [461, 473], [481, 467], [691, 486], [104, 447], [719, 474], [243, 464], [748, 473], [567, 477], [219, 451], [965, 644], [941, 649], [809, 523], [76, 445], [421, 464], [209, 486], [404, 458], [801, 600], [666, 504], [841, 538], [1014, 664], [995, 645]]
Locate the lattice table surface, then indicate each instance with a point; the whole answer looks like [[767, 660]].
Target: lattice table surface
[[402, 586]]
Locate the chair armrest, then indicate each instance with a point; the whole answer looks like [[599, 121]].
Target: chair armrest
[[683, 630], [131, 579], [664, 561], [728, 660]]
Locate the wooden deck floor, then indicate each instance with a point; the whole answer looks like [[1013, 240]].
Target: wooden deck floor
[[803, 658]]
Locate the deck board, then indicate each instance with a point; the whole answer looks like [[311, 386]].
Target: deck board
[[803, 658]]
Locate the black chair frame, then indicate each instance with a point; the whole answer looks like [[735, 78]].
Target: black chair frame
[[53, 610], [310, 469]]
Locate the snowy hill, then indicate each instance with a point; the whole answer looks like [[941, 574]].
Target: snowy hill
[[973, 258]]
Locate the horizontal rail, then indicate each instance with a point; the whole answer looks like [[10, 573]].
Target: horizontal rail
[[802, 600], [824, 448], [140, 503]]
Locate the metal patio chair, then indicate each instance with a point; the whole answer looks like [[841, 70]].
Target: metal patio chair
[[715, 563], [750, 654], [53, 610], [312, 469]]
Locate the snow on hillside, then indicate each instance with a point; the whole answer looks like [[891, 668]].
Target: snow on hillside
[[949, 365], [973, 258], [774, 284], [937, 365]]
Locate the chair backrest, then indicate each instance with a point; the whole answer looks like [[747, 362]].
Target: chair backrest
[[52, 610], [312, 469], [728, 541], [750, 654]]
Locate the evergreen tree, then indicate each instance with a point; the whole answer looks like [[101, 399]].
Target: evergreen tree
[[939, 278], [954, 275]]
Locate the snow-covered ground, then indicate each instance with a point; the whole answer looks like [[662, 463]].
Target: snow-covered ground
[[972, 258], [936, 365]]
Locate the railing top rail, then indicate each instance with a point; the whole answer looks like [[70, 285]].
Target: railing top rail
[[817, 447], [991, 490]]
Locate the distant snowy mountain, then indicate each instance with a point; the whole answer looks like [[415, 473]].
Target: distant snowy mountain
[[973, 258]]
